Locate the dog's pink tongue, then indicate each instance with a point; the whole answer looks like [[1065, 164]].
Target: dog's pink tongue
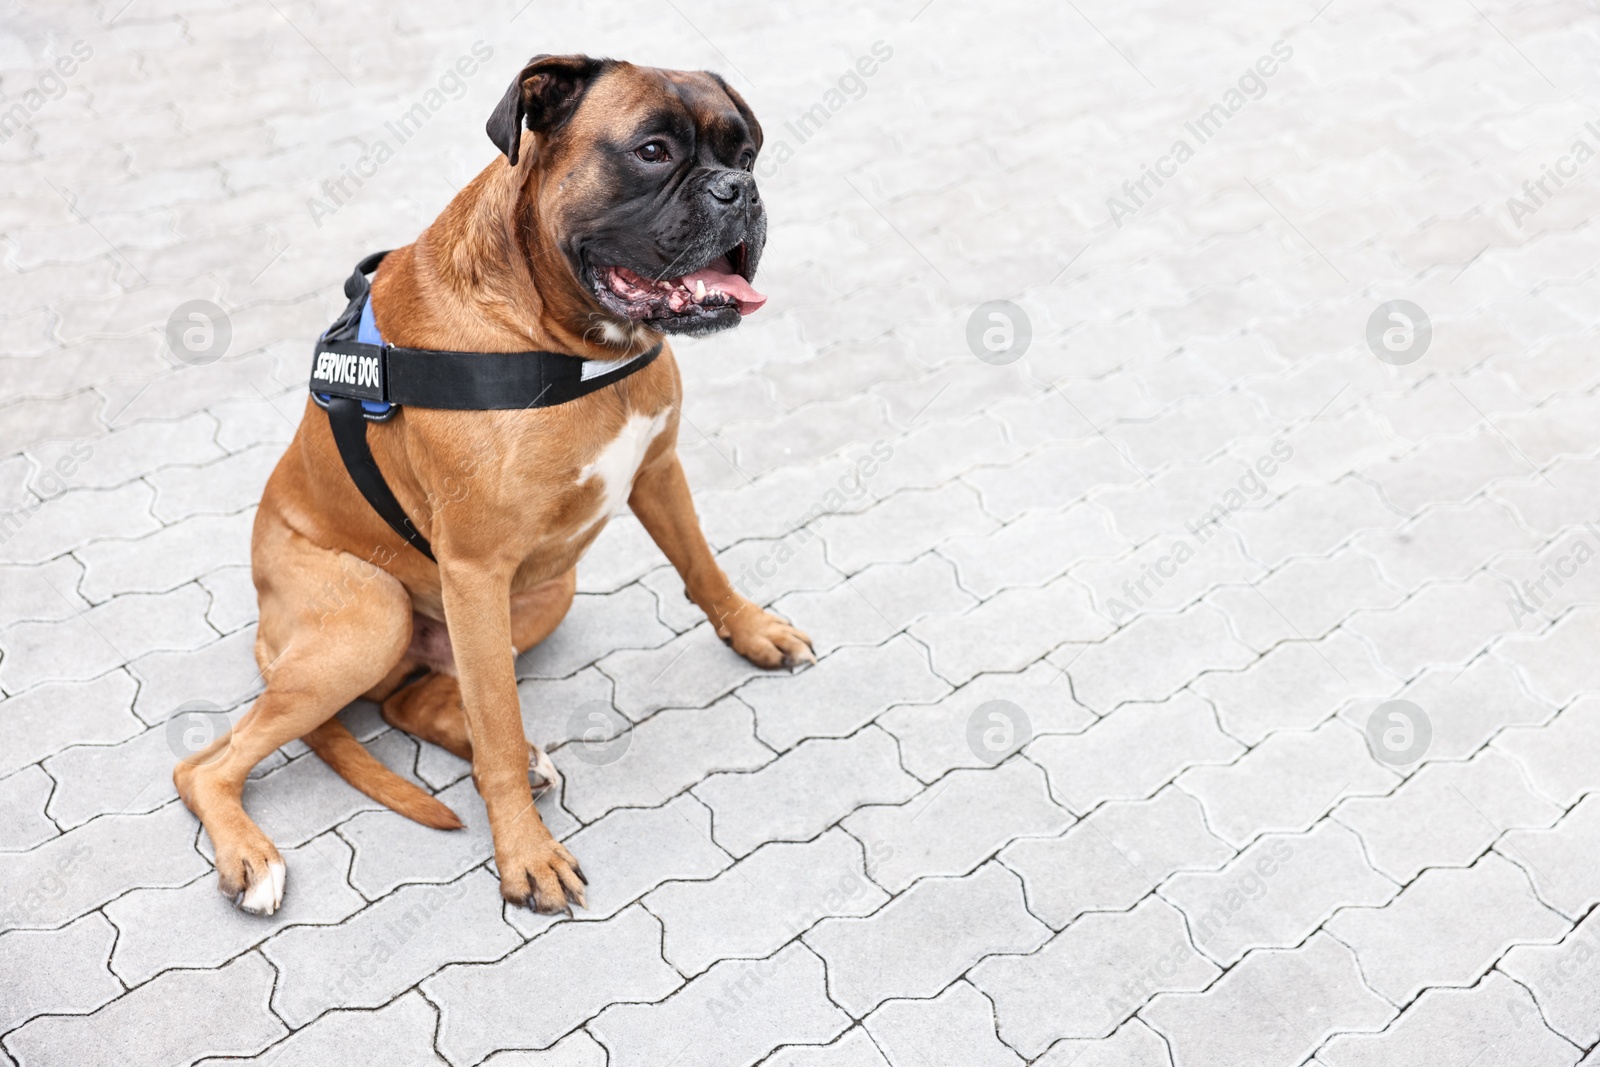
[[739, 290]]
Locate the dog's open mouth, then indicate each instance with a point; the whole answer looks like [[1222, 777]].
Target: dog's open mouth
[[716, 291]]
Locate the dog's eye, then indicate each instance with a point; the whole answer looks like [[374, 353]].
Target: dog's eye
[[652, 152], [747, 160]]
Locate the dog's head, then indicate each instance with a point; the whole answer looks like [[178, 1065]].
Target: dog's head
[[641, 178]]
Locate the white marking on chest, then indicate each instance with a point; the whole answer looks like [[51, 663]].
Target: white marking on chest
[[619, 461]]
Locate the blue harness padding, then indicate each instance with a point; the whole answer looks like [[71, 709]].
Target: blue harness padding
[[360, 379], [368, 334]]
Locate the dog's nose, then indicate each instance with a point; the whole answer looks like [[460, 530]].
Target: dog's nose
[[733, 187]]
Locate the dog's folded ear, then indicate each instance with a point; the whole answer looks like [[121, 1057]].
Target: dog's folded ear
[[742, 107], [544, 95]]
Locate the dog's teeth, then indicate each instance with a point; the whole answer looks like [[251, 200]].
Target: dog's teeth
[[700, 289]]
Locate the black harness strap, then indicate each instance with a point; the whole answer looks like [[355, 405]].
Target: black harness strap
[[349, 425], [359, 380]]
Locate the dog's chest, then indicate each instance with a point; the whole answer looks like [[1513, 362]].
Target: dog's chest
[[615, 465]]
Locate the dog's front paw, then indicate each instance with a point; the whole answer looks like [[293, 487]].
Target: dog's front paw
[[766, 640], [541, 875], [251, 873]]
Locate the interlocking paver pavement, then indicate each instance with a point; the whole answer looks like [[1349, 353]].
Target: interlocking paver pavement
[[1098, 765]]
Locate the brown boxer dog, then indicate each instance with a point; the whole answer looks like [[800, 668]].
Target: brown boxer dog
[[624, 209]]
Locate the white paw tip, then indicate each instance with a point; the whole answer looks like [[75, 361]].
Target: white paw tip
[[542, 769], [265, 896]]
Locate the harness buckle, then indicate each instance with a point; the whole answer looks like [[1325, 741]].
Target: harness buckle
[[371, 410]]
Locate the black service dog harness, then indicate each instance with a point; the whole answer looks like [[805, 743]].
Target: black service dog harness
[[359, 379]]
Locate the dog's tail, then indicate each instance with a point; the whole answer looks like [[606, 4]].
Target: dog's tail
[[340, 750]]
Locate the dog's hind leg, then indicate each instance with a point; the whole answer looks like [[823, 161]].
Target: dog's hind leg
[[316, 653], [431, 708]]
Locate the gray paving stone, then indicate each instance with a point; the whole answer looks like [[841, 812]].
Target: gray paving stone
[[956, 1026], [1286, 783], [84, 868], [1099, 764], [1114, 857], [1546, 505], [1445, 815], [934, 737], [49, 717], [159, 1023], [786, 504], [735, 1013], [1556, 758], [920, 941], [690, 671], [233, 598], [933, 451], [668, 752], [1304, 599], [399, 1033], [1150, 658], [1028, 551], [548, 706], [958, 823], [1565, 980], [1446, 471], [902, 527], [854, 1049], [818, 431], [1295, 686], [805, 790], [23, 823], [221, 487], [876, 603], [77, 518], [1133, 1045], [763, 569], [103, 638], [1276, 892], [131, 776], [1010, 630], [1313, 521], [196, 926], [1551, 663], [1551, 579], [1409, 638], [1476, 703], [1167, 573], [630, 852], [1052, 478], [598, 623], [1194, 429], [166, 559], [1275, 1007], [577, 1049], [1092, 976], [1493, 1024], [56, 972], [766, 899], [842, 693], [1561, 860], [1445, 543], [579, 968], [1472, 915], [387, 947], [42, 592], [223, 673], [620, 555]]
